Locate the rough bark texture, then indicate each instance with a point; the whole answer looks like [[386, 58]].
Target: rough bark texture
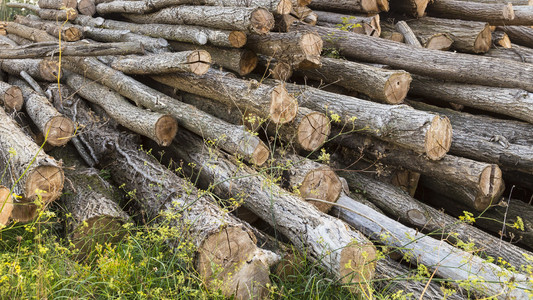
[[516, 53], [415, 8], [408, 35], [381, 85], [257, 20], [520, 35], [10, 97], [269, 102], [495, 14], [57, 4], [6, 205], [523, 15], [358, 23], [468, 36], [511, 102], [39, 69], [48, 14], [241, 61], [415, 130], [362, 6], [195, 61], [326, 239], [154, 45], [456, 67], [67, 32]]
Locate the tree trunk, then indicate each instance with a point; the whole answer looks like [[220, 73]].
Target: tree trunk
[[10, 97], [57, 4], [501, 39], [523, 15], [66, 32], [299, 221], [469, 142], [357, 6], [6, 205], [511, 102], [87, 7], [195, 61], [39, 69], [221, 240], [520, 35], [445, 260], [158, 127], [241, 61], [300, 49], [358, 23], [257, 20], [414, 8], [269, 102], [386, 86], [436, 64], [408, 35], [516, 53], [468, 36], [495, 14], [514, 2], [277, 69], [154, 45], [421, 132], [48, 14]]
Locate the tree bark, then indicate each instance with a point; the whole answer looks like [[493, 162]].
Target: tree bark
[[389, 32], [154, 45], [220, 239], [437, 64], [39, 69], [6, 205], [269, 102], [468, 36], [66, 32], [297, 220], [520, 35], [501, 39], [357, 6], [87, 7], [10, 97], [48, 14], [495, 14], [514, 2], [511, 102], [386, 86], [408, 35], [256, 20], [523, 15], [241, 61], [445, 260], [195, 61], [358, 23], [516, 53], [300, 49], [414, 8], [421, 132], [57, 4]]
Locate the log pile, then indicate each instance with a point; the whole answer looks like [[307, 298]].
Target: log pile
[[264, 105]]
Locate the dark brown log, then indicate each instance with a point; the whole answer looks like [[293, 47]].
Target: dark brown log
[[277, 69], [87, 7], [501, 39], [297, 220], [40, 69], [495, 14], [241, 61], [10, 97], [511, 102], [520, 35], [358, 23], [300, 49], [381, 85], [415, 8], [57, 4], [257, 20], [408, 35], [66, 32], [436, 64], [158, 127], [516, 53], [6, 205], [221, 240], [361, 6], [468, 36], [154, 45], [195, 61], [486, 147], [47, 14], [423, 133], [269, 102]]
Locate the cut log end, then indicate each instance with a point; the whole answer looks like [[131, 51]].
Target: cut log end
[[237, 39], [421, 6], [311, 44], [59, 130], [262, 21], [248, 62], [49, 70], [357, 265], [383, 5], [283, 106], [483, 40], [45, 181], [417, 217], [440, 41], [87, 7], [284, 7], [490, 186], [397, 87], [260, 155], [322, 184], [166, 129], [281, 71], [508, 12], [313, 131], [72, 34], [232, 251], [199, 62], [438, 138], [6, 205], [13, 99], [370, 6], [24, 212]]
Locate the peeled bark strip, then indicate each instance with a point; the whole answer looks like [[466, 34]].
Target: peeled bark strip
[[386, 86], [158, 127], [501, 39], [421, 132], [520, 35], [343, 252], [415, 8], [154, 45], [369, 25], [57, 4], [10, 97], [39, 69], [196, 62], [408, 35], [6, 205], [445, 260], [37, 171], [220, 239], [361, 6], [301, 49], [278, 69], [495, 14], [241, 61], [456, 67], [468, 36], [47, 14], [67, 32], [407, 210], [233, 139], [511, 102], [269, 102], [515, 53], [257, 20], [87, 7]]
